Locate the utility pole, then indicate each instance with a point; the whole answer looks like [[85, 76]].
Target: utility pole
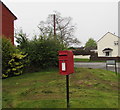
[[54, 18]]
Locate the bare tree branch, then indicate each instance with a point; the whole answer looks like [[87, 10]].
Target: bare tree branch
[[64, 28]]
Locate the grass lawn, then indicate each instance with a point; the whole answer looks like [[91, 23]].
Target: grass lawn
[[81, 60], [89, 88], [86, 60]]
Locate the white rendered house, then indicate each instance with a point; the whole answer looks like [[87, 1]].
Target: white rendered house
[[109, 46]]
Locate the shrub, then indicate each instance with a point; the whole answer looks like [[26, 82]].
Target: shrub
[[13, 60], [7, 50], [43, 52], [16, 64]]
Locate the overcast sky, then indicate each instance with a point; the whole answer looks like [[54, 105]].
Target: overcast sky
[[92, 19]]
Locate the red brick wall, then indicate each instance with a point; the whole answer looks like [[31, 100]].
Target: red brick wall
[[0, 19], [7, 24]]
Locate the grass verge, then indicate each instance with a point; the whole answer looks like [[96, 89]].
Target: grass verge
[[89, 88], [81, 60], [87, 60]]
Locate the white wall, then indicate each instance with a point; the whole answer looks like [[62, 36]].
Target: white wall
[[119, 47], [108, 42], [82, 57]]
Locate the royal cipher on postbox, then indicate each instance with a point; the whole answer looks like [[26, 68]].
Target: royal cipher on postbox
[[66, 62]]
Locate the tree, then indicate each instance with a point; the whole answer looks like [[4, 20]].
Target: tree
[[90, 44], [21, 38], [64, 29]]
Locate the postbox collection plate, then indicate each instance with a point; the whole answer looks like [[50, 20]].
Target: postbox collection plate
[[63, 66]]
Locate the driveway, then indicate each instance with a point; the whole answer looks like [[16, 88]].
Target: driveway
[[100, 65]]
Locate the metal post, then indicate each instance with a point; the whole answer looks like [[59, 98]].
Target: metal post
[[67, 90], [106, 67], [115, 68]]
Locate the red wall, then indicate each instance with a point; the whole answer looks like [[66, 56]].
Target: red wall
[[0, 19], [7, 23]]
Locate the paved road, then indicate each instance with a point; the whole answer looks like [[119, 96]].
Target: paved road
[[100, 65]]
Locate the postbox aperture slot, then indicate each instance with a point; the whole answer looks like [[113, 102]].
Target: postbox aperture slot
[[62, 55]]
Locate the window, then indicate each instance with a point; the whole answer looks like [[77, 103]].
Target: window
[[115, 42], [107, 53]]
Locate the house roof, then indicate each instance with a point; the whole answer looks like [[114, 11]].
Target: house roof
[[106, 34], [8, 9]]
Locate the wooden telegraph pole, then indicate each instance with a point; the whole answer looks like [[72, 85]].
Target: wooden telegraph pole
[[54, 18]]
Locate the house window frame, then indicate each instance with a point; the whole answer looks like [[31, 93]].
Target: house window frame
[[115, 43]]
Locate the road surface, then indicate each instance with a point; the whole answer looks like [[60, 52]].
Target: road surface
[[100, 65]]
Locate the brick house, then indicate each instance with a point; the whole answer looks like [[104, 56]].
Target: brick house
[[6, 22]]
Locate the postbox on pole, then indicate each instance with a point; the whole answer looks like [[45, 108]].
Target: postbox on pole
[[66, 62], [66, 67]]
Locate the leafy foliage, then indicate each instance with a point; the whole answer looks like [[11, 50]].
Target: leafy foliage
[[13, 60], [21, 39], [16, 64], [7, 50], [91, 44], [43, 52]]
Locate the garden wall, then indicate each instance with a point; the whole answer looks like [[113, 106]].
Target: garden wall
[[94, 57]]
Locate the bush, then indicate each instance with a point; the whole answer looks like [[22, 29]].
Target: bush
[[43, 52], [13, 60], [7, 50], [16, 64]]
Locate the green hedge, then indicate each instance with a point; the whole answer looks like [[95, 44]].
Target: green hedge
[[43, 53]]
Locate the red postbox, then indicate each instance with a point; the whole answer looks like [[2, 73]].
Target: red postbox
[[66, 62]]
